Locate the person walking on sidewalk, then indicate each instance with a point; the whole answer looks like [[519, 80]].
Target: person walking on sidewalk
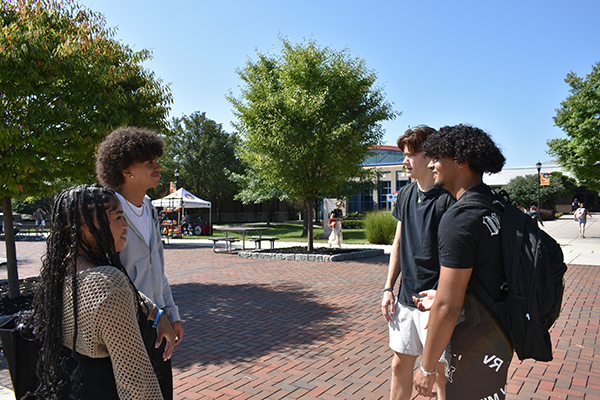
[[470, 250], [580, 216], [335, 222], [414, 256], [127, 162], [38, 217]]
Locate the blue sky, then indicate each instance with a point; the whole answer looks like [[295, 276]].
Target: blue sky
[[496, 65]]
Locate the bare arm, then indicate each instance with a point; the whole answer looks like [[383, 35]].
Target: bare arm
[[445, 311], [387, 301]]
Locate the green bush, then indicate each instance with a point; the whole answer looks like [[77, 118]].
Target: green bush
[[380, 227], [353, 224]]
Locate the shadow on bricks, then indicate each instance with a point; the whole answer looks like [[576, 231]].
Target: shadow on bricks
[[245, 321]]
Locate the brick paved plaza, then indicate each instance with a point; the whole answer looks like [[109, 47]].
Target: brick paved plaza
[[267, 329]]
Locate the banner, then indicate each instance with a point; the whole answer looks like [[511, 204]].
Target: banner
[[172, 188], [545, 179]]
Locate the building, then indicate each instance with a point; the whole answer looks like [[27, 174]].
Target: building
[[389, 161]]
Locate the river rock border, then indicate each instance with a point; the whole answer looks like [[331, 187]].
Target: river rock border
[[359, 253]]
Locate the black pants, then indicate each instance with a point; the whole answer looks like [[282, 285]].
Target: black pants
[[162, 369]]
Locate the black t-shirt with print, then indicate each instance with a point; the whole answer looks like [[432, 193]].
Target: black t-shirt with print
[[469, 237], [420, 215]]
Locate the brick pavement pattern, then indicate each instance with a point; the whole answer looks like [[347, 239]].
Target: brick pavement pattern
[[267, 329]]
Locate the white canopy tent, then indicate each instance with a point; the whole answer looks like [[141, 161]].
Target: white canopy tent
[[183, 199]]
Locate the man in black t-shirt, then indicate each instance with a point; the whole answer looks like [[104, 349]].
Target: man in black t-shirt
[[418, 209], [469, 250]]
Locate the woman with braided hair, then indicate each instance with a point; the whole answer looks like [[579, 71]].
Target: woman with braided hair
[[87, 313]]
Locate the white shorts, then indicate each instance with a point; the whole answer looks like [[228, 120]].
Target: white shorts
[[407, 331], [40, 222]]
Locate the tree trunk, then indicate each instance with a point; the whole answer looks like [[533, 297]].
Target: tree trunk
[[11, 251], [309, 218]]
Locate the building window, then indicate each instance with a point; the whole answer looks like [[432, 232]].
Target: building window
[[366, 201], [354, 203], [361, 202], [401, 184], [385, 188]]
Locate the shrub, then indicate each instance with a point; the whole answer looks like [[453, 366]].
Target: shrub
[[353, 224], [380, 227]]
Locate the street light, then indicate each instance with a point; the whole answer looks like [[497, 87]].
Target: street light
[[177, 179], [539, 168]]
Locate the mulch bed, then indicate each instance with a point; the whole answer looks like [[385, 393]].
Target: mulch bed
[[330, 251], [10, 306]]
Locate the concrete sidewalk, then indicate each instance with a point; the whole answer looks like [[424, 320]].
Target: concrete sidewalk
[[268, 329]]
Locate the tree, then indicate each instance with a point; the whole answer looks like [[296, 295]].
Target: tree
[[65, 83], [579, 117], [204, 154], [308, 118], [523, 190]]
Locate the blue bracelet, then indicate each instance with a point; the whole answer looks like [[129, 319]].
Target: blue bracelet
[[157, 317]]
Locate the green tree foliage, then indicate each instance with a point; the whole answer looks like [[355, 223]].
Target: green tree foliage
[[523, 190], [204, 154], [308, 117], [579, 117], [65, 82]]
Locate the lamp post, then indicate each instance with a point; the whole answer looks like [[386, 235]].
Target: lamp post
[[177, 179], [539, 169]]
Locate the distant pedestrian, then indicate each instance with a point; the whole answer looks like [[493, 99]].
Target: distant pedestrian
[[534, 213], [575, 205], [335, 222], [38, 217], [185, 224], [580, 216]]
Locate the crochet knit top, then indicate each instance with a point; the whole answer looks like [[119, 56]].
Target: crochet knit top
[[107, 326]]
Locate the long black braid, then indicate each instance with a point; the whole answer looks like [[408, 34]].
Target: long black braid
[[74, 208]]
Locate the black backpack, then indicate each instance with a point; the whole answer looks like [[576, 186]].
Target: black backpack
[[534, 267]]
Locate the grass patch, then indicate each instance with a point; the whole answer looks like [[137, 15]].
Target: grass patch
[[293, 233]]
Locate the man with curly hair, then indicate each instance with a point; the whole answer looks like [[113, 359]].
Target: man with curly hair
[[470, 253], [414, 256], [127, 163]]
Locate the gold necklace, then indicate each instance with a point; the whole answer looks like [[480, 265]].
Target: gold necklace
[[133, 211]]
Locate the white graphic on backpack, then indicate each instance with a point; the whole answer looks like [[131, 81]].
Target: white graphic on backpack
[[493, 223]]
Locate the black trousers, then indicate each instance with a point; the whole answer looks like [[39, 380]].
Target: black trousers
[[162, 369]]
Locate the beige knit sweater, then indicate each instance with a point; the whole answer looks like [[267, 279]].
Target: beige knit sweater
[[107, 327]]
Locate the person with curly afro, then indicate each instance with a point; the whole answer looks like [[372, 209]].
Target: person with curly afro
[[413, 260], [127, 163], [470, 254]]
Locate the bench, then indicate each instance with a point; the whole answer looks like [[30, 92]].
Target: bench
[[28, 230], [25, 231], [258, 239], [228, 242]]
